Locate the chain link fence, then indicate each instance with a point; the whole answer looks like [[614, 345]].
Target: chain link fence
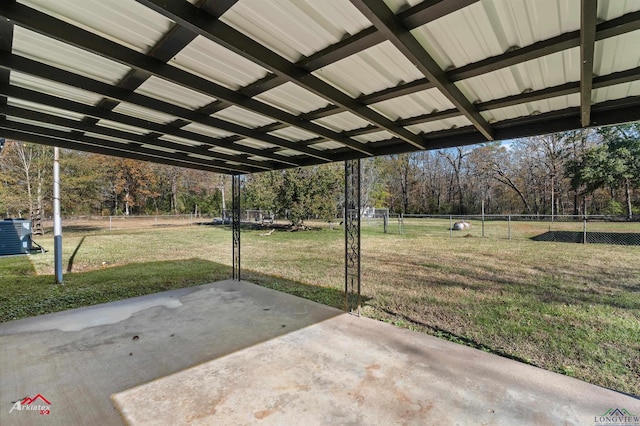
[[119, 223], [558, 228]]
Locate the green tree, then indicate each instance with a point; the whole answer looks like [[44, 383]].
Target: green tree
[[298, 194], [131, 183], [612, 164], [82, 183], [26, 170]]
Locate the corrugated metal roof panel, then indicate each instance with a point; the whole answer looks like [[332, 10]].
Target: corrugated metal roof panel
[[611, 9], [532, 108], [426, 101], [159, 148], [52, 88], [44, 49], [296, 28], [44, 108], [537, 74], [294, 134], [215, 63], [342, 121], [224, 150], [255, 143], [434, 126], [618, 91], [397, 6], [179, 140], [243, 117], [288, 152], [143, 113], [108, 138], [374, 137], [206, 130], [123, 21], [172, 93], [324, 146], [200, 156], [121, 126], [292, 98], [374, 69], [611, 54], [489, 28], [259, 158], [38, 123]]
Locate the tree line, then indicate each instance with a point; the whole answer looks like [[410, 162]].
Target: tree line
[[587, 171]]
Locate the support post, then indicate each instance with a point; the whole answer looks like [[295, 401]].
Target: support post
[[352, 235], [57, 220], [235, 225]]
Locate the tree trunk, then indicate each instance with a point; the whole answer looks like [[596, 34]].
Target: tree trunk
[[174, 194], [627, 190]]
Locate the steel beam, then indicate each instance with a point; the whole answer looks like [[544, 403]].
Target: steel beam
[[225, 35], [52, 27], [235, 225], [352, 204], [588, 11], [44, 136], [385, 21]]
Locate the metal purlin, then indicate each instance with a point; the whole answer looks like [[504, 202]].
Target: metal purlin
[[352, 235], [235, 225]]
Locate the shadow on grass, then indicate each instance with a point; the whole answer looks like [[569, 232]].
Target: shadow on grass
[[73, 256], [452, 337], [24, 294], [82, 228]]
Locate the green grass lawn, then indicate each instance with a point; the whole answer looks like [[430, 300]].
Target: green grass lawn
[[569, 308]]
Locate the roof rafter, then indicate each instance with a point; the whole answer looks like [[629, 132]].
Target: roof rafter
[[106, 113], [615, 27], [430, 10], [147, 139], [31, 67], [624, 24], [86, 40], [588, 11], [45, 136], [385, 21], [599, 82], [223, 34], [605, 113]]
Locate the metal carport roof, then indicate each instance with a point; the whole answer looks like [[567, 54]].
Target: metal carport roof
[[251, 85]]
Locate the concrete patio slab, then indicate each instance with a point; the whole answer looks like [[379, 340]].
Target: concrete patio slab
[[349, 370], [76, 359], [236, 353]]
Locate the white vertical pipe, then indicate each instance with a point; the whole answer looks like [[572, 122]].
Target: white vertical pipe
[[57, 220]]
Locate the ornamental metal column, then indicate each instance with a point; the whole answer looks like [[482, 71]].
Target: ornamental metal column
[[352, 235], [235, 225]]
